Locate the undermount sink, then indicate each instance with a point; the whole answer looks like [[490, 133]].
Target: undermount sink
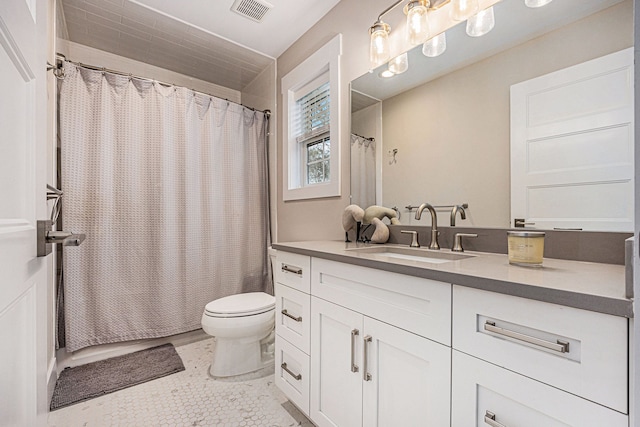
[[411, 254]]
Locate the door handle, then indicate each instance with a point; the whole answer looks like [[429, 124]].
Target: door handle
[[559, 346], [297, 377], [366, 375], [354, 334], [286, 313], [490, 418]]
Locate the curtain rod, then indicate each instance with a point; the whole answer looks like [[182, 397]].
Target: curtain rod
[[364, 137], [60, 58]]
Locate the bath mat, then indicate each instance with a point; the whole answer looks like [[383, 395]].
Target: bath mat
[[106, 376]]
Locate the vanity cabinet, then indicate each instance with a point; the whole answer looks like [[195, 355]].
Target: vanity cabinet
[[484, 394], [374, 347], [579, 351], [293, 323], [368, 373]]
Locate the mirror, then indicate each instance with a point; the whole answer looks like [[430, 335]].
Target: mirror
[[442, 128]]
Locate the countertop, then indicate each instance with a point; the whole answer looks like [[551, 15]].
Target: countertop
[[585, 285]]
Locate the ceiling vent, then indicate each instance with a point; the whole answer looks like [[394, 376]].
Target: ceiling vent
[[252, 9]]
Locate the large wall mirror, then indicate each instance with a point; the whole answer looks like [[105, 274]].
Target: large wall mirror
[[440, 132]]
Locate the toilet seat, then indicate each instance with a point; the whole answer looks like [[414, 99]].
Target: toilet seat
[[241, 305]]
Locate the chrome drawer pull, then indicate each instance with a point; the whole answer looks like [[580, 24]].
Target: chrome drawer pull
[[297, 377], [366, 375], [559, 346], [286, 313], [490, 418], [290, 269], [354, 334]]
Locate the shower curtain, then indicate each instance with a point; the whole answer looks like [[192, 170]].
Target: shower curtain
[[363, 171], [170, 187]]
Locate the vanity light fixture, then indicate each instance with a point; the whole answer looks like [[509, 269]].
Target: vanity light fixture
[[463, 9], [399, 64], [481, 23], [379, 47], [417, 21], [435, 46], [536, 3]]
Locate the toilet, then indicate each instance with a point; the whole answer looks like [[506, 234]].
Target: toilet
[[243, 327]]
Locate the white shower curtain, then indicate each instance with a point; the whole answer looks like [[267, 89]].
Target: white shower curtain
[[170, 187], [363, 171]]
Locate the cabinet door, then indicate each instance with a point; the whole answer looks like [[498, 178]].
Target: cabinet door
[[407, 378], [488, 395], [336, 383]]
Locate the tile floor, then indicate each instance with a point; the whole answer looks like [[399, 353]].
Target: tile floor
[[188, 398]]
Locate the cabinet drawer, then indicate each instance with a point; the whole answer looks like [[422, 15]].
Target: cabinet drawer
[[417, 305], [582, 352], [293, 270], [480, 389], [292, 373], [293, 316]]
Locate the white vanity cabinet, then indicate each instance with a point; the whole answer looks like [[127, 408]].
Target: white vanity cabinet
[[293, 322], [374, 358], [369, 347], [487, 395], [368, 373], [519, 362]]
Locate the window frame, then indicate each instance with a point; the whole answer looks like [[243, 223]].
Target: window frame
[[298, 82]]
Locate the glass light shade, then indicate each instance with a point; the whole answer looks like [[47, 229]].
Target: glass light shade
[[481, 23], [399, 64], [435, 46], [463, 9], [536, 3], [379, 48], [417, 24], [387, 73]]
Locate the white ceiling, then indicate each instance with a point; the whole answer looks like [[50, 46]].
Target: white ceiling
[[199, 38]]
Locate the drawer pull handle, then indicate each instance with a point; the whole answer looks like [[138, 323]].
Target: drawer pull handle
[[290, 269], [490, 418], [354, 334], [286, 313], [366, 375], [297, 377], [559, 346]]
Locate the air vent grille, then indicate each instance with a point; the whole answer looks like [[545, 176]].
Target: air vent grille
[[252, 9]]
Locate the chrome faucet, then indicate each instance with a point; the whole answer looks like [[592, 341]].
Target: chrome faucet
[[434, 224], [454, 211]]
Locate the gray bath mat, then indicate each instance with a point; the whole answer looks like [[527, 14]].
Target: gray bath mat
[[106, 376]]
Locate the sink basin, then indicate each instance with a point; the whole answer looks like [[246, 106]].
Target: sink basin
[[411, 254]]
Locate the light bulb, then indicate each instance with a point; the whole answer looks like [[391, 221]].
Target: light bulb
[[399, 64], [379, 47], [386, 74], [417, 22], [536, 3], [462, 9], [435, 46], [481, 23]]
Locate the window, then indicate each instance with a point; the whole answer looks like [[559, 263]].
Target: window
[[311, 128]]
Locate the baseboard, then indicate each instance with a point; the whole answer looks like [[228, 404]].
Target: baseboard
[[105, 351], [52, 377]]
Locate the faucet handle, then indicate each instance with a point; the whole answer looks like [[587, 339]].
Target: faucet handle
[[457, 241], [414, 238]]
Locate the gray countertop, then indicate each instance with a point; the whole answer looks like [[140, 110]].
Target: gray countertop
[[586, 285]]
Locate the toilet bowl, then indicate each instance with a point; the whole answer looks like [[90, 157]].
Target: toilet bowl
[[243, 327]]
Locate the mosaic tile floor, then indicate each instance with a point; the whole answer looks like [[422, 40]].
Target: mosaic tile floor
[[188, 398]]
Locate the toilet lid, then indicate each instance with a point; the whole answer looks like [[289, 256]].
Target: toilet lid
[[241, 304]]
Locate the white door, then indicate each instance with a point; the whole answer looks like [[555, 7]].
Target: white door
[[23, 277], [409, 382], [336, 377], [572, 146]]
